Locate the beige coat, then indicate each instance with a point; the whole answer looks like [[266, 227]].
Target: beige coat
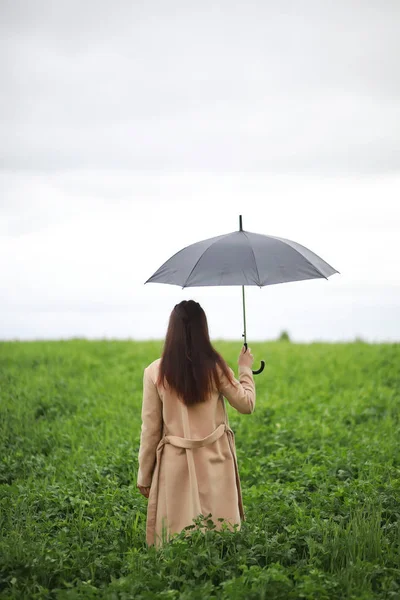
[[188, 455]]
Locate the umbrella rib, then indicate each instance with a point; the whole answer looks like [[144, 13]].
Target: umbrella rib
[[309, 262], [202, 254], [255, 262], [301, 254]]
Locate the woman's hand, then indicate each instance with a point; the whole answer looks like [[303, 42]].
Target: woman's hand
[[145, 491], [246, 358]]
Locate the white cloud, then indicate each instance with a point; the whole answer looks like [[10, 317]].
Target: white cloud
[[132, 130], [199, 87]]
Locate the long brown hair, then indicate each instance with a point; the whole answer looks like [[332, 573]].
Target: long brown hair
[[189, 361]]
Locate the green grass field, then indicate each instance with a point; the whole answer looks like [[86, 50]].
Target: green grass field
[[319, 462]]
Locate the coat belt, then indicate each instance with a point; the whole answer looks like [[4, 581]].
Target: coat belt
[[182, 442]]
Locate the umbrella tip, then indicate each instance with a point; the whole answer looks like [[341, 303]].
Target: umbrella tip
[[240, 223]]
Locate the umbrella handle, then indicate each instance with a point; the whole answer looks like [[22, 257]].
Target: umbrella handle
[[261, 369]]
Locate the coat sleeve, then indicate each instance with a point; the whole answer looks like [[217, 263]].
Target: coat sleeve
[[151, 430], [240, 394]]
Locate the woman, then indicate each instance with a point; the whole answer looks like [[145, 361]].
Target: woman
[[187, 455]]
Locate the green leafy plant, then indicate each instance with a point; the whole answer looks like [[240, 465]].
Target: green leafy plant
[[319, 463]]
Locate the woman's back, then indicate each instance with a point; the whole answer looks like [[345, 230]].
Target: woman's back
[[187, 454], [191, 480]]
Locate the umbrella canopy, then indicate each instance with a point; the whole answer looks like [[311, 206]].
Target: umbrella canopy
[[241, 258]]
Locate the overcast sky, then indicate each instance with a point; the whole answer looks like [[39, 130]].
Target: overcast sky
[[130, 130]]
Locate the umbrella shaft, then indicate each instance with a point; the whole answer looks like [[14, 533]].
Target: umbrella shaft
[[244, 316]]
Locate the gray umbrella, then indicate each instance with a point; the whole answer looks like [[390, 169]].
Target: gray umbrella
[[242, 258]]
